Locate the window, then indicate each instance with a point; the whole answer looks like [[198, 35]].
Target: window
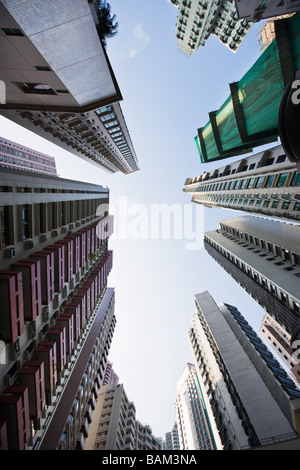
[[296, 179], [283, 297], [269, 181], [285, 205]]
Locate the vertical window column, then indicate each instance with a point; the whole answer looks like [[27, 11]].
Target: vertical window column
[[31, 276]]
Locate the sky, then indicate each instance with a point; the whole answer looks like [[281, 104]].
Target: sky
[[159, 266]]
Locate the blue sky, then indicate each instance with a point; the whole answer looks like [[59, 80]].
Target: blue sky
[[166, 97]]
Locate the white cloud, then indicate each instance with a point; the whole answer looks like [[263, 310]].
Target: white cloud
[[134, 42], [138, 42], [132, 53]]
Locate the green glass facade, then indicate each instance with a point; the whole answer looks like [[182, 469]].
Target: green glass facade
[[249, 116]]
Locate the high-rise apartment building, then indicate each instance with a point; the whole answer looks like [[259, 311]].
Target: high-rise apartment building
[[145, 439], [196, 21], [194, 427], [263, 256], [248, 118], [248, 395], [113, 424], [265, 184], [71, 99], [16, 156], [56, 312], [281, 342]]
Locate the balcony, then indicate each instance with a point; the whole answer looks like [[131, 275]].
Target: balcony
[[31, 276], [11, 306], [14, 411], [68, 258]]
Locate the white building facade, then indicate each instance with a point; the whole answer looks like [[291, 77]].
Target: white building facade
[[196, 21], [192, 420], [266, 183]]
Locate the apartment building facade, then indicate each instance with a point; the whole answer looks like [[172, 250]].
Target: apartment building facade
[[16, 156], [145, 439], [263, 257], [194, 427], [171, 441], [247, 394], [266, 183], [57, 313], [196, 21], [113, 425], [73, 99]]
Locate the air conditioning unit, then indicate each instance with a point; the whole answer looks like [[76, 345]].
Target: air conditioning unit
[[32, 330], [55, 301], [43, 237], [45, 314], [10, 252], [64, 292]]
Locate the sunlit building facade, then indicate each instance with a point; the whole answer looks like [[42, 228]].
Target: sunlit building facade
[[247, 393], [265, 184], [57, 312], [196, 21]]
